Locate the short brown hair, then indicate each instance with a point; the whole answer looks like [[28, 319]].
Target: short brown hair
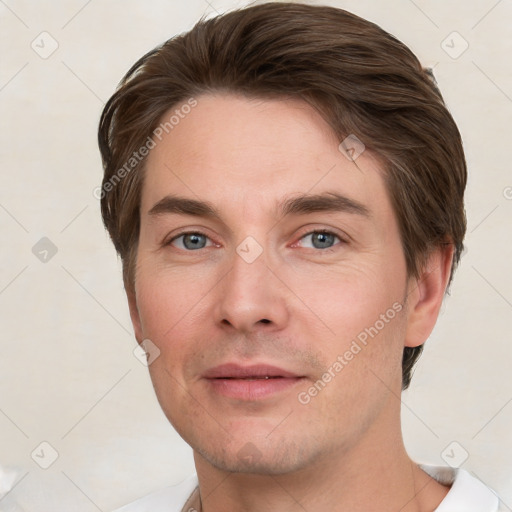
[[361, 79]]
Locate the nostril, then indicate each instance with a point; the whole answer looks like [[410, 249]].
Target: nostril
[[265, 321]]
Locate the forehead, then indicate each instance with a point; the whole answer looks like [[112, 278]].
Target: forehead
[[242, 153]]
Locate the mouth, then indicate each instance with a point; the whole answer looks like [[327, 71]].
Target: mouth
[[250, 383]]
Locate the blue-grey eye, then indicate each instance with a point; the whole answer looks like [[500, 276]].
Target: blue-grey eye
[[321, 239], [190, 241]]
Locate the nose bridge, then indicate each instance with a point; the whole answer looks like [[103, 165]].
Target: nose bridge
[[249, 275], [250, 294]]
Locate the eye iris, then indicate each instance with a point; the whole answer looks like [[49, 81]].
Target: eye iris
[[324, 240], [194, 241]]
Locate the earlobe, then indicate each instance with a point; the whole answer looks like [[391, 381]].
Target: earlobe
[[135, 316], [426, 293]]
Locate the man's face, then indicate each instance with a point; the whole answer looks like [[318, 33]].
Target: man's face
[[266, 283]]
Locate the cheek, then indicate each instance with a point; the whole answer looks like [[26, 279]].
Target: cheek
[[363, 314], [171, 311], [172, 316], [168, 301], [348, 300]]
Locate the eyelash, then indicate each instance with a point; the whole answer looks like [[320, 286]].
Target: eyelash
[[323, 232], [302, 236]]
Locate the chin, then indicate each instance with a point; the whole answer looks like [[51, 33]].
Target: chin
[[258, 457]]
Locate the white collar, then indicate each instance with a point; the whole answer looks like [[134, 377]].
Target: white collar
[[467, 493]]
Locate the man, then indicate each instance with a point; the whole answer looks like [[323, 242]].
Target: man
[[284, 185]]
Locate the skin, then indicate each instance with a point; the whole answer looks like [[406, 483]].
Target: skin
[[297, 306]]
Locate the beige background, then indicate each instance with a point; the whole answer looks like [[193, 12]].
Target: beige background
[[67, 372]]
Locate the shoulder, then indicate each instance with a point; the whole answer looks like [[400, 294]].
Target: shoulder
[[169, 499], [467, 493]]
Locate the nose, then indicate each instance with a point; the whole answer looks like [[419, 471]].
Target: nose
[[252, 296]]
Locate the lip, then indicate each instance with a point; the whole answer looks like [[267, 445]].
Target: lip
[[254, 382], [236, 371]]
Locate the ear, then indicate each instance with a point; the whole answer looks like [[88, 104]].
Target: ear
[[425, 295], [135, 316]]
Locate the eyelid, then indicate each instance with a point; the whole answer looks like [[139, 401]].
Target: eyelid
[[187, 231], [344, 239]]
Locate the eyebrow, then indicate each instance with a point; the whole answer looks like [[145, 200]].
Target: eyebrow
[[326, 202], [297, 205]]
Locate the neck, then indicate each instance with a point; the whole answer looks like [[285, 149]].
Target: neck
[[375, 473]]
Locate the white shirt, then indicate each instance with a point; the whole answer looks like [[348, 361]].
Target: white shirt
[[467, 494]]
